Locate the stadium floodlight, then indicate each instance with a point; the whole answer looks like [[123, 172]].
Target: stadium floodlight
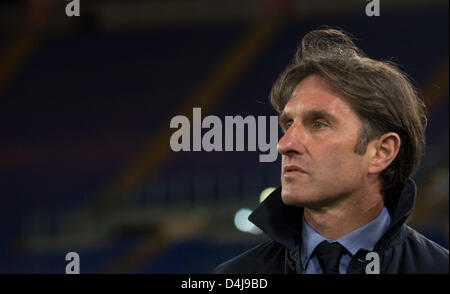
[[243, 224], [266, 192]]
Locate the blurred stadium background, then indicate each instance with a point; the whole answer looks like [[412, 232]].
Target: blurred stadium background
[[86, 101]]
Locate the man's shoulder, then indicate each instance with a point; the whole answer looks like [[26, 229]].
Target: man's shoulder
[[268, 257], [429, 247], [420, 254], [414, 237]]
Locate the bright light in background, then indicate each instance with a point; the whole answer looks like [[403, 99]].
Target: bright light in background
[[243, 224], [265, 193]]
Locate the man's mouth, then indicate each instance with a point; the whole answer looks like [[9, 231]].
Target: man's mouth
[[291, 169]]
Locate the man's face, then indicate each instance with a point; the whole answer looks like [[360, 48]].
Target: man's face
[[319, 165]]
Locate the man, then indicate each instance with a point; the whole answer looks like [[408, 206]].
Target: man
[[353, 136]]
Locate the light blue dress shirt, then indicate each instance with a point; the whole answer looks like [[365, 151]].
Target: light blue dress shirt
[[364, 237]]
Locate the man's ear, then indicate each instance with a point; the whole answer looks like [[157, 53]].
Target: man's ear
[[386, 149]]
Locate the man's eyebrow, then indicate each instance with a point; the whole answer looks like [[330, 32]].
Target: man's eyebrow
[[309, 114], [314, 113]]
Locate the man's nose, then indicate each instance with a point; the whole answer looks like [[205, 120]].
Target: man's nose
[[292, 141]]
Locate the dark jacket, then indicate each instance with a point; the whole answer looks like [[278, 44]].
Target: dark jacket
[[401, 249]]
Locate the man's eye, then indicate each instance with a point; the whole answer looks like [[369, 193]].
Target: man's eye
[[319, 125], [287, 126]]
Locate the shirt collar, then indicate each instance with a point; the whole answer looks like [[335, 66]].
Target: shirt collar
[[310, 239], [364, 237], [368, 235]]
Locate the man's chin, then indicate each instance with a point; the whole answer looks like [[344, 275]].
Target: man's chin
[[298, 196], [292, 199]]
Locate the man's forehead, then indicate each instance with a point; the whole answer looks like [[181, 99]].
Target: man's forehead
[[313, 82], [314, 94], [316, 103]]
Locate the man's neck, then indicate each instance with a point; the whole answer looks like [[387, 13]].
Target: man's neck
[[343, 217]]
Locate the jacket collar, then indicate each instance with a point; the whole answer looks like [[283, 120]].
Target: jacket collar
[[282, 223]]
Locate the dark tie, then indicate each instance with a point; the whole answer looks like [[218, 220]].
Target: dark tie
[[329, 255]]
